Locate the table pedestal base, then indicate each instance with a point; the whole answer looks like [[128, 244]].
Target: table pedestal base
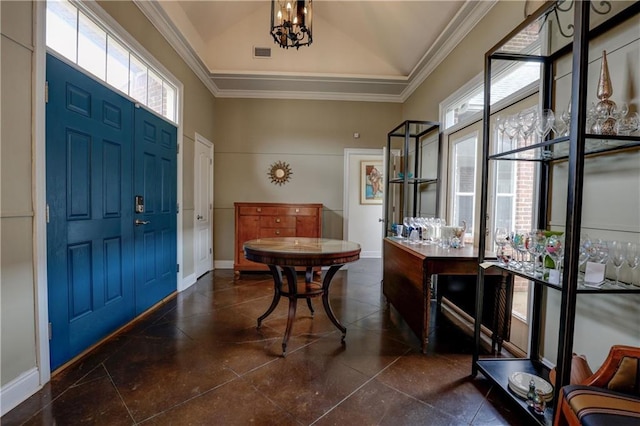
[[311, 289]]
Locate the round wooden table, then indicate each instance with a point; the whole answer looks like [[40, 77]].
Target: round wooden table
[[284, 254]]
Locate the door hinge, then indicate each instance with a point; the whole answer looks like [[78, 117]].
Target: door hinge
[[177, 148], [177, 207], [210, 161], [210, 250], [50, 327], [210, 206], [46, 92], [47, 212], [178, 267]]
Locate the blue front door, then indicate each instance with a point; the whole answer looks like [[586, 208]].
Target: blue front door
[[155, 230], [95, 252]]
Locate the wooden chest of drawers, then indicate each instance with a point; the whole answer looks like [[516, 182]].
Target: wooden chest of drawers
[[264, 220]]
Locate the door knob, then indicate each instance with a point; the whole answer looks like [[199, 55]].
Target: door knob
[[199, 217], [139, 222]]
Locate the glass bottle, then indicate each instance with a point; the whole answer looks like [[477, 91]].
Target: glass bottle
[[539, 404], [531, 395]]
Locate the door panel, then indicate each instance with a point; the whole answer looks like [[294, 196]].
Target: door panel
[[203, 199], [89, 234], [155, 235]]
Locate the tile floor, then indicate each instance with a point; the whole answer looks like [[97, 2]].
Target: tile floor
[[199, 360]]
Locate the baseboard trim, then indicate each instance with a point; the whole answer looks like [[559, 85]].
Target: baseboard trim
[[186, 282], [19, 389], [467, 323], [223, 264]]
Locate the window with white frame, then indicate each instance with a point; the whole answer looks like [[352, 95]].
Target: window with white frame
[[93, 47], [463, 181]]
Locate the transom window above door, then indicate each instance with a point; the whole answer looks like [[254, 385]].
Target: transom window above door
[[92, 46]]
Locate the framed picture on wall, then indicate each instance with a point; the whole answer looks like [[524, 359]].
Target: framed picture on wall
[[371, 182]]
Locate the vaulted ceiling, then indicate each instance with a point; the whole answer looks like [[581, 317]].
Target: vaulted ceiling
[[362, 50]]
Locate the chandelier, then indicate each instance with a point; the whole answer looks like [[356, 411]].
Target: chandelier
[[291, 23]]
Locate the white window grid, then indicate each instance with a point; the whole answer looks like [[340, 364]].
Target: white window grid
[[146, 84]]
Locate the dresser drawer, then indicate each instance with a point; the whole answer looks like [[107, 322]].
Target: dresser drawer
[[297, 211], [277, 232], [277, 222], [272, 220], [258, 210]]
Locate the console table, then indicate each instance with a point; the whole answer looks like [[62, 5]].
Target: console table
[[284, 254], [407, 273]]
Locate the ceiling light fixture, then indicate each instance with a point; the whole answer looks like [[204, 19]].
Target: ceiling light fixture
[[291, 23]]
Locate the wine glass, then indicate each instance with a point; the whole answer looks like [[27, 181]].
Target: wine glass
[[555, 249], [618, 256], [512, 129], [599, 252], [633, 258], [545, 123], [501, 238], [528, 120], [500, 125], [536, 246]]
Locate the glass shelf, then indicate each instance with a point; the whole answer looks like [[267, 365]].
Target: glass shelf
[[558, 149], [608, 287]]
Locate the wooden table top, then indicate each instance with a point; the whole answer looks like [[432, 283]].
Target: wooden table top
[[301, 251], [435, 251]]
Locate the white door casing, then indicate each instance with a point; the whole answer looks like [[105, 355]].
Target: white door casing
[[203, 206], [362, 222]]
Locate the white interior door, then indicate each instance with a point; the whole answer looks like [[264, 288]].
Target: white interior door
[[203, 201], [362, 210]]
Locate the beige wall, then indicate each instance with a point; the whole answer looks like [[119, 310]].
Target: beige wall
[[17, 286], [310, 136]]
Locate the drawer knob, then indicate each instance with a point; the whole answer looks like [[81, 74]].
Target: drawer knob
[[259, 209], [278, 220], [297, 210], [277, 232]]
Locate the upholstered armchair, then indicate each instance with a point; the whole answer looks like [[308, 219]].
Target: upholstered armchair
[[611, 396]]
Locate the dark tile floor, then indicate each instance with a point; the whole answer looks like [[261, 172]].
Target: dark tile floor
[[199, 360]]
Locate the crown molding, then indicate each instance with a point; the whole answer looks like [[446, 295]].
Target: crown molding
[[158, 18], [458, 28]]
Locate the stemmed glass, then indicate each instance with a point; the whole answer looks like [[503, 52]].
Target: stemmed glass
[[633, 258], [618, 257], [528, 120], [500, 125], [512, 129], [516, 239], [501, 238], [545, 123], [536, 246], [599, 251], [555, 249]]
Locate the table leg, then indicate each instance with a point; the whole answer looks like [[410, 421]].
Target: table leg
[[426, 297], [277, 287], [308, 278], [292, 282], [326, 283]]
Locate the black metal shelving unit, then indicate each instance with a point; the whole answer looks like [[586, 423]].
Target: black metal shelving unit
[[572, 150], [403, 171]]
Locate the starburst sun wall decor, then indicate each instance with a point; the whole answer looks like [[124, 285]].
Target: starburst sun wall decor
[[279, 173]]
